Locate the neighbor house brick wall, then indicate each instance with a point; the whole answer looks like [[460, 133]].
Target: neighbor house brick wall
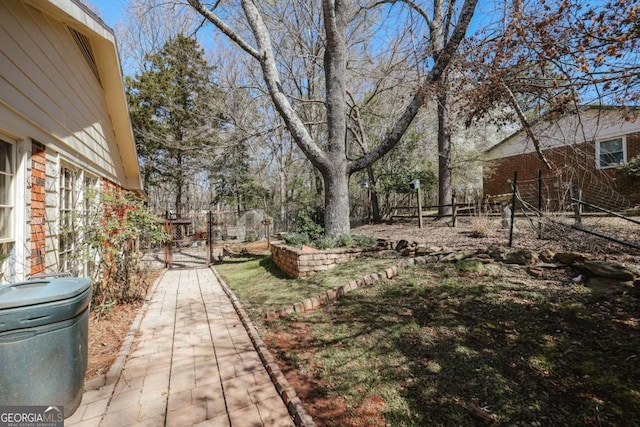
[[38, 208], [576, 164]]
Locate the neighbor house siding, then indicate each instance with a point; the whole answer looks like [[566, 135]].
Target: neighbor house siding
[[569, 143], [47, 82]]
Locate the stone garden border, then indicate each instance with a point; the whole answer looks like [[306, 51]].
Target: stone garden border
[[614, 275], [332, 295]]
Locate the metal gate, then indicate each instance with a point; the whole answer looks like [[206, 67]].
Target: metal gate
[[190, 239]]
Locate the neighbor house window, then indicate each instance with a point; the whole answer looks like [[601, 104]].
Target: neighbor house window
[[68, 233], [6, 190], [610, 153]]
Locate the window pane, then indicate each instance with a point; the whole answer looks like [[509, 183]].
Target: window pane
[[5, 157], [5, 190], [613, 146], [5, 222], [611, 153], [610, 159]]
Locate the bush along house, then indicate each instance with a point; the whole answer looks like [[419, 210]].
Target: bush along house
[[65, 133], [582, 151]]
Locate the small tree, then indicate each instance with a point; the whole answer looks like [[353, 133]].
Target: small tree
[[112, 232]]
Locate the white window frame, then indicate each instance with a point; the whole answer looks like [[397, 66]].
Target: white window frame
[[68, 217], [11, 192], [90, 207], [623, 139]]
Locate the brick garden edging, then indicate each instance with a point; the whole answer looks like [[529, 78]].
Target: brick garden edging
[[289, 396], [332, 295]]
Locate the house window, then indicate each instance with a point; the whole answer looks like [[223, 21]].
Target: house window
[[6, 190], [68, 234], [91, 207], [610, 153]]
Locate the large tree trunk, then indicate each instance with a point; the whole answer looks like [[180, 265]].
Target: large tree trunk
[[336, 170], [336, 201], [444, 154]]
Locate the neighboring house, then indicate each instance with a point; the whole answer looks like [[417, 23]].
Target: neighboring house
[[64, 127], [583, 149]]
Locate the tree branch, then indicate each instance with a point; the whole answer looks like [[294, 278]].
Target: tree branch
[[271, 77], [419, 98], [526, 126], [222, 26]]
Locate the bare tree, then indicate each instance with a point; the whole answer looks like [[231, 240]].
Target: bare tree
[[330, 158], [147, 25]]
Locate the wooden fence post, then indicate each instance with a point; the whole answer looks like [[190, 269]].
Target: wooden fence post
[[577, 206], [454, 216], [167, 246], [210, 240], [513, 206], [419, 208], [539, 203]]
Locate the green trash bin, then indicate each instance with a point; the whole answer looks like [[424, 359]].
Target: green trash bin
[[44, 328]]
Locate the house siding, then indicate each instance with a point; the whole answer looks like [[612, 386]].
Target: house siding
[[46, 82], [56, 112]]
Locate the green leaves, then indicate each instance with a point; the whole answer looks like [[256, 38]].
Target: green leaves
[[629, 173]]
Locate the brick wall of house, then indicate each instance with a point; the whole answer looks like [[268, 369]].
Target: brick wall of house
[[570, 164], [38, 208]]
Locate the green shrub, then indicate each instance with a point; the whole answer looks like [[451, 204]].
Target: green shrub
[[325, 243], [629, 173], [365, 241], [309, 221], [296, 239], [112, 229], [344, 241]]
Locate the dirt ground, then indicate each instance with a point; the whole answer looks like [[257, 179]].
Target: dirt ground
[[555, 236], [106, 334]]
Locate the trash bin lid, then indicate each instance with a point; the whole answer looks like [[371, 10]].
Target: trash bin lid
[[37, 292], [38, 303]]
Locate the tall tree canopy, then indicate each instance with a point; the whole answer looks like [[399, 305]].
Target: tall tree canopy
[[175, 114], [251, 27]]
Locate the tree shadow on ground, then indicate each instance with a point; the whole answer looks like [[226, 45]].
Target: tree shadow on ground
[[527, 353]]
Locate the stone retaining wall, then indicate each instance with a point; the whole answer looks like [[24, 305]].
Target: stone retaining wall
[[304, 262]]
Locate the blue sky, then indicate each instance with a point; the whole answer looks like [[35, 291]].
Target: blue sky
[[111, 10]]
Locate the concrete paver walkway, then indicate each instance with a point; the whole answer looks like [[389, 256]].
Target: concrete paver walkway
[[190, 363]]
